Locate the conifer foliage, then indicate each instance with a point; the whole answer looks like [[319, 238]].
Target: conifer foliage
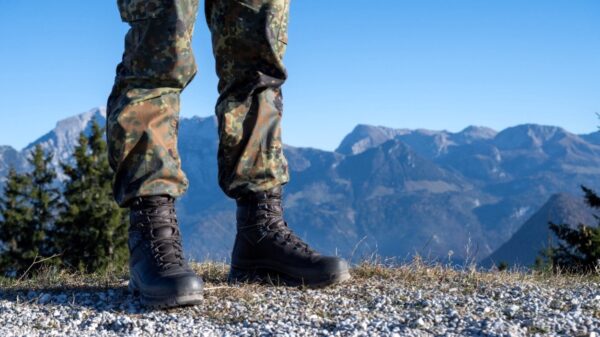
[[579, 248], [80, 227], [28, 210], [44, 198], [91, 231]]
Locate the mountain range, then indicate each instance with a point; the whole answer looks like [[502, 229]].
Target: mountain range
[[534, 235], [390, 192]]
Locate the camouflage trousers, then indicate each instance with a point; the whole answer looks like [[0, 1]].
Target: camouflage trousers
[[249, 38]]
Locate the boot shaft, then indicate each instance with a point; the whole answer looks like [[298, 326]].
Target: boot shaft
[[154, 235], [258, 208]]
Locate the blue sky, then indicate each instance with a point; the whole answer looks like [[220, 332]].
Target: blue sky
[[406, 64]]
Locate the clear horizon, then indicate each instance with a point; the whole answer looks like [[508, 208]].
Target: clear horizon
[[338, 143], [399, 64]]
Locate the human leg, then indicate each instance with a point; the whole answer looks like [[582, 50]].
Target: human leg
[[142, 121], [249, 39], [143, 107]]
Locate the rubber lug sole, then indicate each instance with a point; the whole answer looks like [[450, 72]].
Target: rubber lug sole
[[276, 278], [164, 302]]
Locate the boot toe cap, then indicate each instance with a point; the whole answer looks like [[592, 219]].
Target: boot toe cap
[[334, 265], [189, 284], [174, 285]]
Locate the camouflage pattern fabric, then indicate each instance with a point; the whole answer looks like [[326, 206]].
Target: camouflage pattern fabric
[[249, 39]]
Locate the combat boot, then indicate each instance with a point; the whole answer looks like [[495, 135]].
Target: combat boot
[[266, 250], [157, 268]]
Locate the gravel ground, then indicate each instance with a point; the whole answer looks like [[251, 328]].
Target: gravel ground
[[406, 301]]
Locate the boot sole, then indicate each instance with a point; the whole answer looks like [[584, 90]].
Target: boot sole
[[163, 302], [277, 278]]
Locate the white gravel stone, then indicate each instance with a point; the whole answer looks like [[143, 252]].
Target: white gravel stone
[[367, 307]]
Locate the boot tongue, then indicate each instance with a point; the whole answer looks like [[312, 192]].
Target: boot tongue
[[163, 232]]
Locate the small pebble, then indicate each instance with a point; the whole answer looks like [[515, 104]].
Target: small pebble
[[376, 306]]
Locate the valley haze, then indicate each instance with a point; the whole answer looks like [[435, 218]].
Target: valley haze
[[478, 194]]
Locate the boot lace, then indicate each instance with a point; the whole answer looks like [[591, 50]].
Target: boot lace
[[157, 216], [269, 221]]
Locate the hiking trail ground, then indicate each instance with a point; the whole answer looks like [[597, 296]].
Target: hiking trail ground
[[415, 299]]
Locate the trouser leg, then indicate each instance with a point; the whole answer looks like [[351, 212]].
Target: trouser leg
[[143, 107], [249, 38]]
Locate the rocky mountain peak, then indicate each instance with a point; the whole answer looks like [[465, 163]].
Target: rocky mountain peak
[[534, 235], [474, 133], [365, 136], [400, 188], [198, 128], [62, 140], [528, 136], [593, 137], [9, 157]]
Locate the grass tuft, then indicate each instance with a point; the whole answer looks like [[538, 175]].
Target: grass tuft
[[415, 273]]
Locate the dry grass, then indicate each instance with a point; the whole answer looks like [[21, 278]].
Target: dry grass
[[231, 304], [415, 273], [421, 273], [212, 272], [53, 278]]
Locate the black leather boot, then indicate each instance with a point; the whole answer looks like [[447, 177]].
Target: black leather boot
[[267, 251], [157, 268]]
